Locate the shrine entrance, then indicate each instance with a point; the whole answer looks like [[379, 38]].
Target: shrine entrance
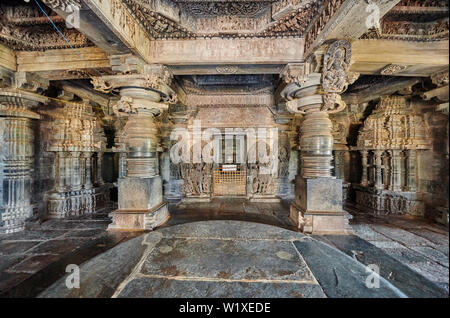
[[229, 176], [230, 180]]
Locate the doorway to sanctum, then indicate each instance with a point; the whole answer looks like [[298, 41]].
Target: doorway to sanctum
[[229, 175]]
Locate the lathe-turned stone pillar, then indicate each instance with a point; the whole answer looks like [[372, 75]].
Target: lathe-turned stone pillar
[[318, 195], [143, 96], [16, 157]]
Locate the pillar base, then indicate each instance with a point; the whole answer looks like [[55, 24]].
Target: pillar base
[[141, 205], [148, 220], [320, 222], [318, 207]]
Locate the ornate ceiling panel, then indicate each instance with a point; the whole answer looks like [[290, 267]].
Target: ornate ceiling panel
[[414, 20], [25, 27], [243, 8]]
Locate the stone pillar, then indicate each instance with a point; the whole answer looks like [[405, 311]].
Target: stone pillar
[[396, 170], [316, 144], [386, 169], [143, 95], [318, 195], [411, 166], [87, 156], [364, 158], [378, 175], [16, 157]]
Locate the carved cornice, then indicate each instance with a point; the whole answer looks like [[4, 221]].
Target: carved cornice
[[294, 23], [157, 25], [327, 11]]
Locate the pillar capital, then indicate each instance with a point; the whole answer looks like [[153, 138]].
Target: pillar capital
[[318, 88], [150, 89]]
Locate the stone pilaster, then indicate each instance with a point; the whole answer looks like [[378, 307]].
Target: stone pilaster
[[144, 95], [318, 195]]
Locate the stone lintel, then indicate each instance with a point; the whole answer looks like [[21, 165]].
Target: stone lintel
[[226, 51]]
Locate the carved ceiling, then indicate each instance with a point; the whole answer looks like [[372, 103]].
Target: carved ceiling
[[229, 84], [414, 20], [24, 27], [211, 8], [231, 18]]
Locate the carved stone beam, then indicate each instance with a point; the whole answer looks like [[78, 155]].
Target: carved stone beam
[[345, 19], [123, 24], [387, 87], [84, 92], [441, 93], [103, 32]]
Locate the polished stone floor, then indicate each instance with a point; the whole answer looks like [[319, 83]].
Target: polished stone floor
[[243, 250]]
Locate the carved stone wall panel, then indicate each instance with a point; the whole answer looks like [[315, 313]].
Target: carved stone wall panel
[[76, 141]]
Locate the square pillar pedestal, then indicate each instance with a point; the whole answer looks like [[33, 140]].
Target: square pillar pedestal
[[141, 205], [318, 207]]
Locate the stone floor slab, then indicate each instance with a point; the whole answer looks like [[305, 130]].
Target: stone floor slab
[[432, 254], [230, 230], [16, 247], [168, 288], [397, 273], [226, 259], [402, 236], [341, 276]]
